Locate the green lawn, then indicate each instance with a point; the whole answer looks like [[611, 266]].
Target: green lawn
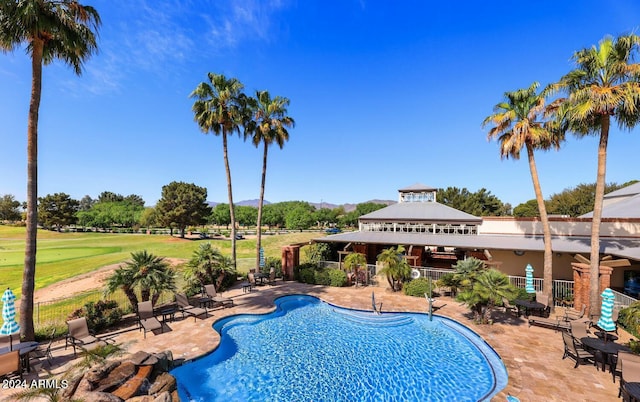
[[65, 255]]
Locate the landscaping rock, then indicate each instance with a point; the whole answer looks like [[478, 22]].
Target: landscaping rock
[[141, 398], [132, 387], [165, 382], [163, 397], [102, 397], [98, 373], [118, 376]]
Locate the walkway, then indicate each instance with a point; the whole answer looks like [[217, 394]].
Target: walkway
[[532, 355]]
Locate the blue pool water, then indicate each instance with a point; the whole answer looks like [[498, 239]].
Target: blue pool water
[[308, 350]]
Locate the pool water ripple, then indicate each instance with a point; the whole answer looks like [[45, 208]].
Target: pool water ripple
[[308, 350]]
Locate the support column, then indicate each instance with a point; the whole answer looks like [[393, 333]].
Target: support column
[[290, 259], [582, 285]]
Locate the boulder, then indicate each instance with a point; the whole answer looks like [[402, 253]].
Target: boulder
[[163, 397], [118, 376], [97, 373], [132, 387], [141, 398], [100, 397], [165, 382]]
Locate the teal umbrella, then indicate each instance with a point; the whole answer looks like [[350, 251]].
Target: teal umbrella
[[528, 283], [9, 325], [262, 258], [606, 311]]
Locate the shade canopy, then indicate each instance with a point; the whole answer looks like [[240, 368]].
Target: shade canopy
[[528, 284], [9, 325], [606, 311]]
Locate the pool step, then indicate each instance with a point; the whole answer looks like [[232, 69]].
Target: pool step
[[372, 319]]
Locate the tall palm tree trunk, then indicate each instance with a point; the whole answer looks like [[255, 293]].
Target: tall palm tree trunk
[[546, 230], [232, 213], [29, 272], [259, 223], [594, 268]]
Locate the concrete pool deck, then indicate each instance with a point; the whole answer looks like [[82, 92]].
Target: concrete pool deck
[[532, 355]]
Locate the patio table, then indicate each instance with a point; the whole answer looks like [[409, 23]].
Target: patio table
[[528, 306], [605, 348], [25, 348]]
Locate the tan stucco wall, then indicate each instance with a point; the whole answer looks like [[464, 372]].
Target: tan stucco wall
[[559, 226], [514, 265]]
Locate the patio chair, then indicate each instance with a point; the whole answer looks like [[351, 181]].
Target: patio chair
[[572, 350], [10, 366], [508, 307], [570, 315], [210, 290], [44, 350], [187, 309], [543, 299], [79, 336], [272, 277], [146, 320], [5, 341], [580, 329], [629, 365]]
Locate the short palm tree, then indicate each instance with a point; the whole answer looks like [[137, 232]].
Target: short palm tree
[[518, 123], [466, 271], [394, 266], [51, 29], [220, 108], [268, 125], [149, 274], [604, 86], [354, 261], [487, 291], [207, 265]]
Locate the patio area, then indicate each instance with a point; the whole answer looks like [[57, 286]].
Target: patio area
[[532, 355]]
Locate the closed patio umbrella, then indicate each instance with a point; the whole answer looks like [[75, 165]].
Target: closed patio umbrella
[[606, 311], [528, 283], [9, 325]]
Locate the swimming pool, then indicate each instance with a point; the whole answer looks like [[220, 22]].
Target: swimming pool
[[309, 350]]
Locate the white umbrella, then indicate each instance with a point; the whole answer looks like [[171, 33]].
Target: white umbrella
[[9, 325]]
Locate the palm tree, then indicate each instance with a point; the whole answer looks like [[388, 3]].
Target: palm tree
[[269, 125], [207, 265], [394, 266], [603, 86], [517, 123], [486, 292], [220, 108], [51, 29], [354, 261], [150, 274]]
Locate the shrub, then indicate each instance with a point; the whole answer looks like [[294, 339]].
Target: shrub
[[321, 277], [299, 268], [337, 277], [418, 287], [307, 275], [100, 315], [629, 319]]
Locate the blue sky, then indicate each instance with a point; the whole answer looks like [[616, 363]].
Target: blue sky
[[384, 94]]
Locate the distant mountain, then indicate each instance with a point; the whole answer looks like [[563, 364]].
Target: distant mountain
[[318, 205]]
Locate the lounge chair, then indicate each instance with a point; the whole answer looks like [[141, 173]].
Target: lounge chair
[[10, 365], [555, 323], [80, 336], [146, 320], [571, 349], [629, 365], [543, 299], [210, 290], [188, 309], [508, 307], [570, 315]]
